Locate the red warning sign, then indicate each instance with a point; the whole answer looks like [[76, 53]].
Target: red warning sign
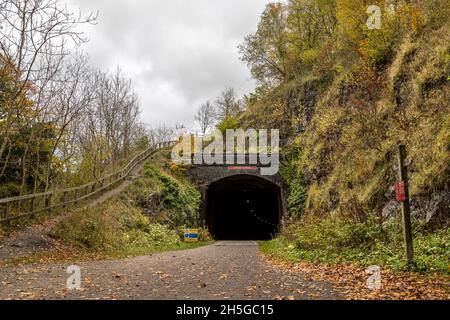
[[400, 192]]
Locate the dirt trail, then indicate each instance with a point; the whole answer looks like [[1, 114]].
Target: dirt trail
[[34, 238], [226, 270]]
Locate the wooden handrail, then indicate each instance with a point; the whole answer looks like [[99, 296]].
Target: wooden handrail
[[17, 207]]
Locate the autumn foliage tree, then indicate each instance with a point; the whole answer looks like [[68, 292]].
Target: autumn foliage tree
[[62, 122]]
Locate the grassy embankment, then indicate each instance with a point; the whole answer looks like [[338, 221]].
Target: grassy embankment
[[148, 217], [334, 241]]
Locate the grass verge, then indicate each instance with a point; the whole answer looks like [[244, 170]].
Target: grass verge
[[334, 241]]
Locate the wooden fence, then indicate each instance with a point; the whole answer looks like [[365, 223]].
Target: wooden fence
[[28, 205]]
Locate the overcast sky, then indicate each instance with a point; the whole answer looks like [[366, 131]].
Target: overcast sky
[[178, 53]]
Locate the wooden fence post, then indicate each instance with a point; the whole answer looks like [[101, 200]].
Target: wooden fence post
[[65, 199], [48, 202], [8, 209], [32, 206]]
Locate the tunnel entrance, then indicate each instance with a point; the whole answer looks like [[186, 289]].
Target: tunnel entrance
[[243, 207]]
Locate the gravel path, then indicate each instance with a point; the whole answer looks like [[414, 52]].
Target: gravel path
[[225, 270]]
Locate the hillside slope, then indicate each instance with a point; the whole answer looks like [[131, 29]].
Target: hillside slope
[[344, 111], [344, 96], [349, 149]]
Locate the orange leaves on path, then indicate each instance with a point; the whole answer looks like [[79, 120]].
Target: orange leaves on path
[[351, 280]]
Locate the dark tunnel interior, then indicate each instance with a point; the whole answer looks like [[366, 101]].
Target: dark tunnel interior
[[243, 207]]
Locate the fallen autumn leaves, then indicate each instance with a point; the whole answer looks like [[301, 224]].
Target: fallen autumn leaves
[[351, 279]]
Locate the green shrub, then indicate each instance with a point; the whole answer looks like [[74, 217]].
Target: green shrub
[[378, 46], [228, 123], [9, 189], [297, 199], [292, 174], [180, 198]]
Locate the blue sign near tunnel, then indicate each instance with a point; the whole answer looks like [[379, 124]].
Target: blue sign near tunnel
[[191, 235]]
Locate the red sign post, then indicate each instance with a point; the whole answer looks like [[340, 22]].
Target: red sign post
[[400, 192]]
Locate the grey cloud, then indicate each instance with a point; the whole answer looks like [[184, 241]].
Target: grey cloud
[[178, 53]]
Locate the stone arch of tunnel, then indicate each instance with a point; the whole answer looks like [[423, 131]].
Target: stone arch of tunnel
[[243, 207]]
